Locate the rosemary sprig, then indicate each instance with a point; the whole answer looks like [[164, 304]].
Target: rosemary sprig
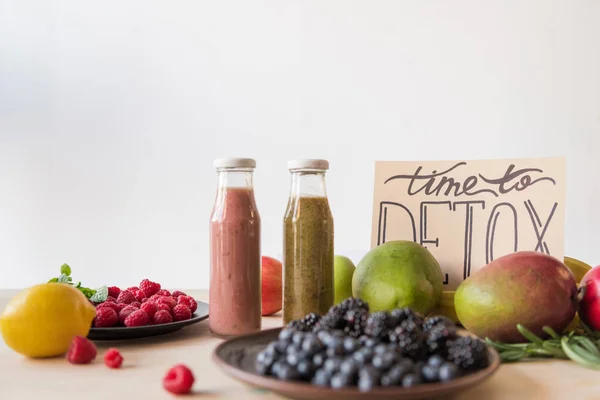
[[581, 348]]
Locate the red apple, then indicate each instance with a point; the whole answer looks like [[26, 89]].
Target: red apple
[[271, 286], [589, 291]]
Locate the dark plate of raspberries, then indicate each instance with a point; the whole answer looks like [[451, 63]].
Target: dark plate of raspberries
[[144, 311], [350, 353]]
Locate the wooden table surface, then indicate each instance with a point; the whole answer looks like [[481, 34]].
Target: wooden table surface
[[147, 360]]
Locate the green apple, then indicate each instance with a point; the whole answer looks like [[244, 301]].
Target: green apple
[[398, 274], [343, 270]]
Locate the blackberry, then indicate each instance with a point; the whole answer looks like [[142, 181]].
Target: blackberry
[[352, 303], [297, 326], [310, 320], [431, 322], [378, 325], [409, 338], [437, 337], [333, 320], [402, 314], [355, 320], [468, 353]]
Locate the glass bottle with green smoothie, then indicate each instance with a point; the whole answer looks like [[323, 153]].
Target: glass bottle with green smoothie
[[308, 242]]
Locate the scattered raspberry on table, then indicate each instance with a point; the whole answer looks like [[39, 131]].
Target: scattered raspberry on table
[[178, 380], [112, 358], [81, 351]]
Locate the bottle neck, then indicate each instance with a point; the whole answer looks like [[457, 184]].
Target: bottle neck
[[235, 178], [308, 183]]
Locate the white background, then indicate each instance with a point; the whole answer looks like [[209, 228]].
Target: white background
[[112, 112]]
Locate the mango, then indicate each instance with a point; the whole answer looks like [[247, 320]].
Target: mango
[[528, 288]]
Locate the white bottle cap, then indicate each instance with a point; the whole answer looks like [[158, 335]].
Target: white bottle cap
[[308, 163], [235, 163]]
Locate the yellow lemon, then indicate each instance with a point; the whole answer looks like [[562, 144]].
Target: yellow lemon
[[577, 267], [42, 320]]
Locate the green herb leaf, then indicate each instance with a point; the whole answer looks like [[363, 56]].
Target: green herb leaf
[[87, 292], [65, 269], [100, 295], [512, 355], [53, 280], [63, 278], [527, 334]]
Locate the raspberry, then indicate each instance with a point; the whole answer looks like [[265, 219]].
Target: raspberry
[[149, 288], [145, 299], [125, 313], [81, 351], [167, 300], [163, 307], [112, 358], [150, 309], [162, 317], [178, 380], [126, 297], [110, 299], [137, 318], [114, 291], [105, 317], [139, 295], [188, 301], [136, 304], [164, 292], [154, 297], [181, 313], [114, 306], [133, 288], [178, 293], [120, 307]]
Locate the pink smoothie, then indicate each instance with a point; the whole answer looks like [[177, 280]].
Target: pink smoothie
[[235, 280]]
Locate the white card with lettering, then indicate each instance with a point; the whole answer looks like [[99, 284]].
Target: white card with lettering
[[468, 213]]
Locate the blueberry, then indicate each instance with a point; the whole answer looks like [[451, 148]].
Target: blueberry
[[318, 360], [407, 363], [297, 338], [264, 361], [351, 345], [371, 342], [430, 373], [281, 346], [305, 368], [276, 367], [312, 345], [410, 380], [321, 378], [287, 373], [292, 349], [397, 372], [449, 371], [271, 348], [335, 351], [324, 336], [285, 334], [383, 361], [368, 378], [293, 359], [380, 349], [435, 360], [332, 364], [336, 344], [391, 379], [363, 356], [349, 367], [339, 381]]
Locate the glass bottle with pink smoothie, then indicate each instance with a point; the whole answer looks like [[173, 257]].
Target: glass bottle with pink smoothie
[[235, 264]]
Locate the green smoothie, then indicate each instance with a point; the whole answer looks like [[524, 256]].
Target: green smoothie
[[308, 257]]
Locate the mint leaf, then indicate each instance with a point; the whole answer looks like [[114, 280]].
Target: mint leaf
[[65, 269], [63, 278], [87, 291], [100, 295], [53, 280]]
